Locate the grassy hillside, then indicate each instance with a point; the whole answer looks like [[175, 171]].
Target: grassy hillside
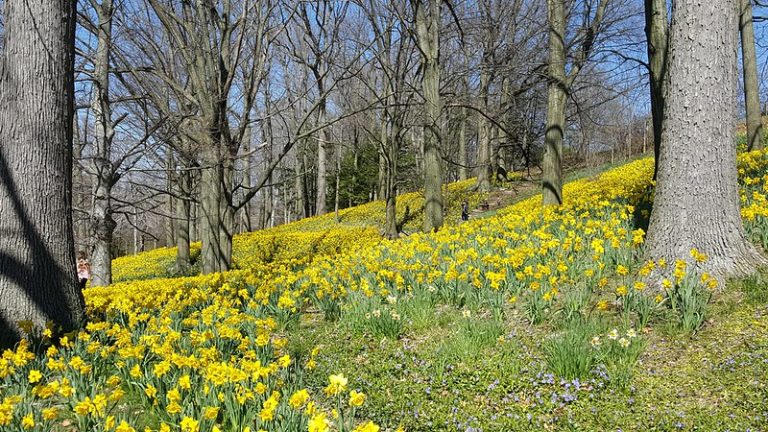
[[533, 319], [304, 239]]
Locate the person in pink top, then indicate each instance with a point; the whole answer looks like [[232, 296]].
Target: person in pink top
[[83, 271]]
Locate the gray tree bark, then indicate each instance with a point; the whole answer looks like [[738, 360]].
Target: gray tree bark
[[485, 162], [463, 174], [103, 223], [560, 85], [182, 223], [656, 32], [552, 176], [170, 232], [38, 282], [484, 159], [428, 39], [749, 69], [697, 196]]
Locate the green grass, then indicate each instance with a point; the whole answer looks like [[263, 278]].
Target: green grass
[[449, 371]]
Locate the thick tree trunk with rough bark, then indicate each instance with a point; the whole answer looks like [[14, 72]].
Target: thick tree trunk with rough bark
[[463, 174], [381, 189], [182, 222], [322, 159], [216, 243], [170, 203], [38, 282], [751, 86], [656, 32], [103, 223], [697, 196], [484, 159], [80, 199], [390, 191], [552, 177], [428, 35]]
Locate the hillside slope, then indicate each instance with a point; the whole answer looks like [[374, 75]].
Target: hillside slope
[[532, 319]]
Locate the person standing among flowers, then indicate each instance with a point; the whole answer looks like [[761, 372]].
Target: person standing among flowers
[[83, 270]]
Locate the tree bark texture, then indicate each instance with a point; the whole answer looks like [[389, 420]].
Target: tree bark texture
[[322, 158], [657, 35], [215, 245], [38, 282], [463, 174], [182, 222], [484, 159], [751, 86], [428, 34], [103, 223], [552, 177], [697, 197]]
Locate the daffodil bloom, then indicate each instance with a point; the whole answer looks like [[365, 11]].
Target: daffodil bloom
[[28, 422], [298, 399], [367, 427], [318, 423], [337, 384], [356, 399]]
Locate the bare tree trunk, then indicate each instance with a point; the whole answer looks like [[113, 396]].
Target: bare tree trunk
[[81, 200], [552, 176], [338, 183], [656, 31], [428, 31], [103, 223], [38, 282], [484, 158], [751, 86], [697, 196], [463, 174], [211, 198], [245, 214], [268, 136], [227, 226], [322, 162], [382, 186], [182, 222], [169, 229], [391, 154]]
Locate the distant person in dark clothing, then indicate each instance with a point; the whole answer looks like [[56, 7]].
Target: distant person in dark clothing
[[465, 211]]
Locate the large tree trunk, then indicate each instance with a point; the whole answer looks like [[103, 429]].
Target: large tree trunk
[[246, 216], [381, 190], [697, 196], [299, 184], [322, 171], [38, 282], [656, 32], [170, 203], [428, 29], [484, 158], [552, 176], [81, 199], [182, 222], [103, 223], [751, 87], [216, 250], [463, 174], [391, 154]]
